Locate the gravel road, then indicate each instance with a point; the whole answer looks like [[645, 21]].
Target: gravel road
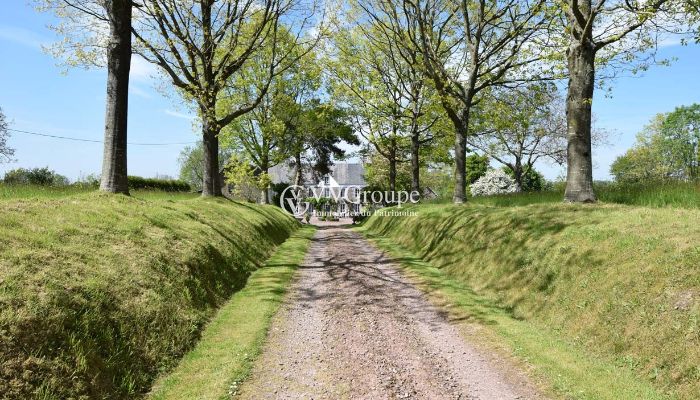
[[353, 327]]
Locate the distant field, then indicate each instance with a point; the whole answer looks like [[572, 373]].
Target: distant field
[[100, 293], [680, 195], [621, 282], [53, 192]]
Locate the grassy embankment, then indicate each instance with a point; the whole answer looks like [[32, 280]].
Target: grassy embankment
[[668, 194], [235, 336], [99, 294], [679, 195], [602, 301], [14, 192]]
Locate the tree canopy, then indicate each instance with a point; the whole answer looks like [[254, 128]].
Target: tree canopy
[[667, 149], [6, 152]]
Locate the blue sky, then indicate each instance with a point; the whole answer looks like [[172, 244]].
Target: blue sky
[[36, 95]]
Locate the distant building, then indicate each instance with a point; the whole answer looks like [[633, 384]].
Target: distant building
[[345, 180]]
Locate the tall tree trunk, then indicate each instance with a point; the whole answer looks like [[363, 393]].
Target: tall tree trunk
[[211, 185], [392, 174], [518, 173], [460, 180], [415, 161], [579, 176], [264, 192], [392, 165], [298, 176], [114, 160]]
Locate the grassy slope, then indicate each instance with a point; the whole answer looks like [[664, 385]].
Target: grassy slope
[[621, 282], [233, 339], [14, 192], [98, 293], [678, 194]]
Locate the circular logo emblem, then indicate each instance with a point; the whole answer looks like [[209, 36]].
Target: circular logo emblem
[[292, 200]]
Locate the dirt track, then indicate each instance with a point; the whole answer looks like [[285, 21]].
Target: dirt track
[[353, 327]]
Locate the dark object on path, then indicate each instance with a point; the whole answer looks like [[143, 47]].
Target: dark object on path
[[358, 218]]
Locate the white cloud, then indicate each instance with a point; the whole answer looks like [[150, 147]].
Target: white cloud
[[670, 40], [142, 70], [179, 115], [21, 36], [137, 91]]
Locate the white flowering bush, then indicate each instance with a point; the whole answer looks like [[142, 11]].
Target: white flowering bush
[[494, 182]]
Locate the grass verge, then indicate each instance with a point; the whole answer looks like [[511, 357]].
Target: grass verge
[[100, 293], [662, 194], [15, 192], [583, 293], [561, 368], [234, 337]]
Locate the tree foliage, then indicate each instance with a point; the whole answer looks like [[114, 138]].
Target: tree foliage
[[476, 166], [35, 176], [667, 149], [206, 48], [6, 152], [191, 162], [470, 47], [99, 33], [530, 180], [608, 37], [522, 126]]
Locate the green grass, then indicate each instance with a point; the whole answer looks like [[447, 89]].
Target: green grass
[[679, 195], [234, 337], [100, 293], [565, 370], [618, 283], [13, 192]]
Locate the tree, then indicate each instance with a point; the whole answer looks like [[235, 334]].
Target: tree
[[638, 165], [385, 94], [191, 161], [667, 149], [201, 45], [522, 126], [83, 25], [248, 182], [267, 134], [402, 65], [530, 180], [692, 9], [6, 152], [681, 141], [323, 129], [494, 182], [371, 98], [476, 167], [600, 34], [377, 173], [35, 176], [468, 47]]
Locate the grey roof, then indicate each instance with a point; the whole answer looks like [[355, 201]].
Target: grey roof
[[284, 173], [343, 173], [348, 173]]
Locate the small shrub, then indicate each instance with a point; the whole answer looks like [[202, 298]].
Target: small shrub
[[531, 181], [35, 176], [166, 185], [88, 181], [494, 182]]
